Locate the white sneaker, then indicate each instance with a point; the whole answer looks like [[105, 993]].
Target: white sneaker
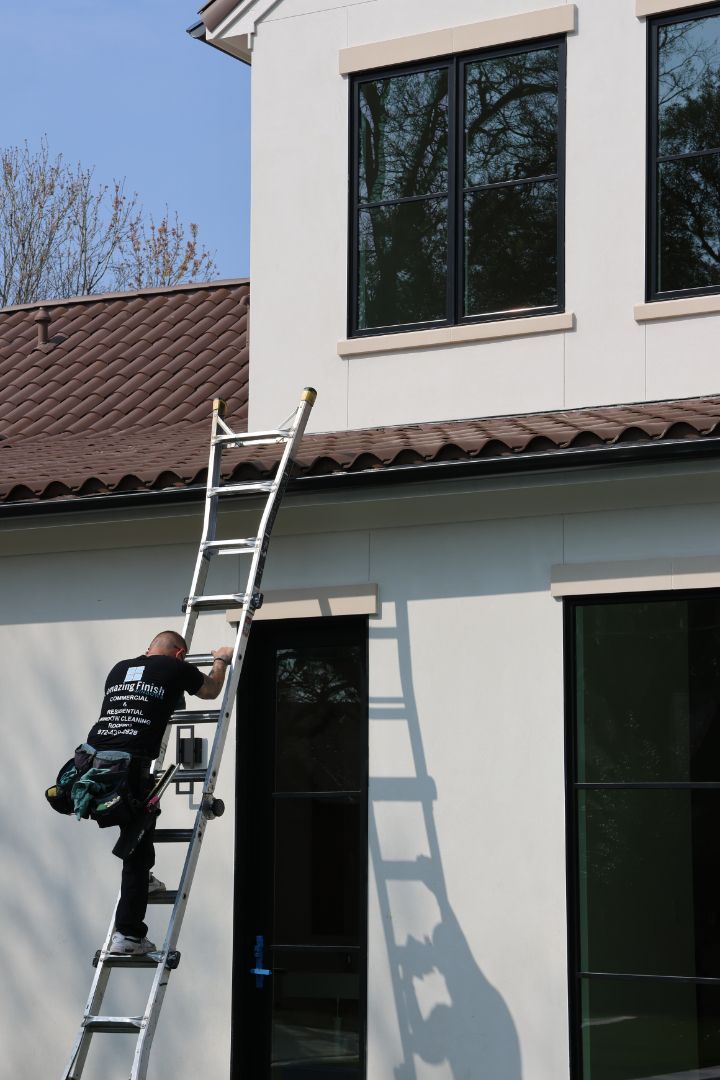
[[155, 885], [126, 945]]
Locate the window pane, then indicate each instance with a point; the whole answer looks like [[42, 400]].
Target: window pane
[[662, 1031], [315, 1027], [511, 248], [404, 136], [511, 117], [649, 866], [689, 223], [648, 691], [689, 86], [319, 704], [403, 264], [317, 872]]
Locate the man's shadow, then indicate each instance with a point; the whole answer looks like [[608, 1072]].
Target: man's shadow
[[473, 1032]]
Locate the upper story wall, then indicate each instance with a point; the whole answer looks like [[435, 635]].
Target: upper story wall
[[299, 259]]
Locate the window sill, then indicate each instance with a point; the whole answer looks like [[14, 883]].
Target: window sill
[[677, 309], [457, 335]]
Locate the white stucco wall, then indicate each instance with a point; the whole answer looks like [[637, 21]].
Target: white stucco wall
[[467, 920], [300, 230]]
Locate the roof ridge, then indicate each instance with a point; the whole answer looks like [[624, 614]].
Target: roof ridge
[[127, 294]]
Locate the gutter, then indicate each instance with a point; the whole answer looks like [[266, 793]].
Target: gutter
[[586, 458]]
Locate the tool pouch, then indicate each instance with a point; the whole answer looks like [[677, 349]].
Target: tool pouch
[[60, 794]]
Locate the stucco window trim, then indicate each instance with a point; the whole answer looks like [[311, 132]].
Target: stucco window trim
[[677, 309], [323, 601], [458, 335], [546, 22], [636, 575], [645, 8]]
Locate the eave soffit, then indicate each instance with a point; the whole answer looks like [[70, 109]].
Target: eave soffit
[[227, 20]]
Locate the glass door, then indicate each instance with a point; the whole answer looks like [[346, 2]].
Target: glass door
[[301, 853], [644, 813]]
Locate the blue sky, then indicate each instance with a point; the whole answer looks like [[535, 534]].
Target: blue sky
[[119, 85]]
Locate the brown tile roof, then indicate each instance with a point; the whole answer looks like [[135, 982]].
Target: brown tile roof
[[113, 398], [118, 402]]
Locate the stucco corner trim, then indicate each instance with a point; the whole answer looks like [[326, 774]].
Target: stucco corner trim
[[677, 309], [481, 35], [315, 603], [457, 335], [644, 8], [636, 575]]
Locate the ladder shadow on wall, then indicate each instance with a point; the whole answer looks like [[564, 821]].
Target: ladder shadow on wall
[[449, 1015]]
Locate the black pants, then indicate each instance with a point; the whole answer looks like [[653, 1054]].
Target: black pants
[[130, 915]]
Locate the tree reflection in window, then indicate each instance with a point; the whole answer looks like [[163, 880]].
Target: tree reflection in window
[[319, 719], [461, 157], [687, 141]]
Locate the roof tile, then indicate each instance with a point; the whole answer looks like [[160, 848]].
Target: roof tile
[[121, 403]]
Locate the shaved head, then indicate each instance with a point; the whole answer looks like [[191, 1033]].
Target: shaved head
[[167, 642]]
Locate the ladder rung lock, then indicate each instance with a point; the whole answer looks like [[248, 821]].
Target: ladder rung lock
[[128, 1024], [191, 716]]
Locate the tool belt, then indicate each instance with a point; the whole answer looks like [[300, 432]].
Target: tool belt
[[96, 784]]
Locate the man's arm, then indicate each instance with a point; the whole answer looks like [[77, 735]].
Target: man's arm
[[213, 681]]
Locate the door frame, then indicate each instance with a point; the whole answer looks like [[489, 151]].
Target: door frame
[[255, 750]]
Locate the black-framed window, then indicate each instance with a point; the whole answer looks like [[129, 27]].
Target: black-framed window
[[684, 154], [644, 835], [457, 190]]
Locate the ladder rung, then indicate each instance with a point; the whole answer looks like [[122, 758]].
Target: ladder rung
[[253, 438], [172, 836], [214, 603], [167, 896], [195, 716], [147, 960], [201, 659], [129, 1024], [189, 776], [245, 545], [245, 487]]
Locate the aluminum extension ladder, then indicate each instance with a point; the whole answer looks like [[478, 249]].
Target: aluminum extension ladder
[[167, 957]]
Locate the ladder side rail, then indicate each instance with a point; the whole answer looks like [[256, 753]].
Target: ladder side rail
[[209, 517], [202, 563], [254, 579], [296, 432], [94, 1002], [143, 1046], [154, 1002], [175, 922]]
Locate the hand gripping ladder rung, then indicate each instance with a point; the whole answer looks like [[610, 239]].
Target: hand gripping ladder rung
[[167, 958]]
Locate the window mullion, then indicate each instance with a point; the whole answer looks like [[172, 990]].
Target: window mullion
[[454, 109]]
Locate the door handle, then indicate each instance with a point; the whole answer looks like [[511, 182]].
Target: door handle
[[259, 971]]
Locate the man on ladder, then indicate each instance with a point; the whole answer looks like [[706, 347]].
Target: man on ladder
[[140, 695], [146, 740]]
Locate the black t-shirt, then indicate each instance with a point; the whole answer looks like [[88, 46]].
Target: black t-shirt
[[140, 695]]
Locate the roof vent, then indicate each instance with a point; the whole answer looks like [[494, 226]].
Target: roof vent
[[43, 321]]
